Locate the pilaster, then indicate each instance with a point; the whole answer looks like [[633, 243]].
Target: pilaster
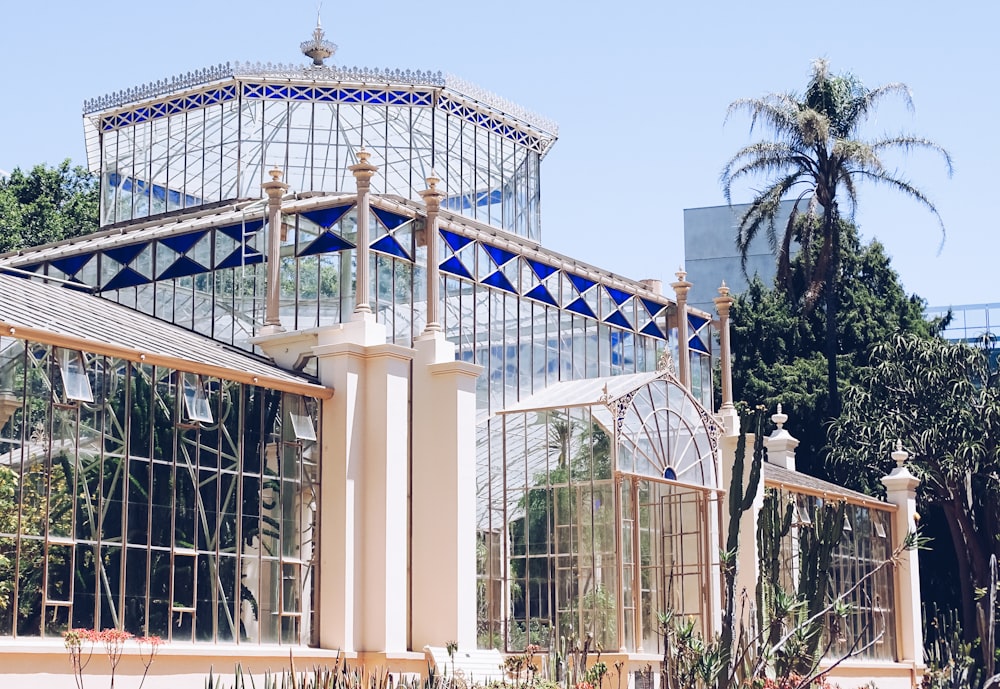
[[901, 490], [364, 519], [443, 495]]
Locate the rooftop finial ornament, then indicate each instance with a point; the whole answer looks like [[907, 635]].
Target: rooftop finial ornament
[[318, 49]]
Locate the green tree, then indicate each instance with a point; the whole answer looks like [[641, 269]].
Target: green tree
[[47, 204], [778, 345], [815, 151], [942, 401]]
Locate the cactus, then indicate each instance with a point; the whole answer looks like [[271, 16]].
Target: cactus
[[772, 527], [740, 500]]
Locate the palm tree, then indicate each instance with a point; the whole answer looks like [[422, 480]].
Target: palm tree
[[814, 152]]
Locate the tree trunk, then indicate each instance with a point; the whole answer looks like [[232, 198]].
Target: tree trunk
[[973, 566], [831, 229]]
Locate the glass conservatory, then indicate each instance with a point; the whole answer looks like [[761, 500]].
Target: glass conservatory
[[148, 496], [602, 515]]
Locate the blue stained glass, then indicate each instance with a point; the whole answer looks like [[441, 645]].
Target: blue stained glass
[[500, 281], [499, 256], [582, 284], [670, 474], [389, 245], [618, 295], [326, 243], [237, 231], [30, 268], [581, 307], [390, 220], [697, 322], [697, 345], [126, 278], [541, 294], [652, 330], [238, 258], [182, 242], [326, 217], [618, 319], [72, 264], [181, 267], [125, 254], [455, 241], [653, 307], [541, 270], [455, 267]]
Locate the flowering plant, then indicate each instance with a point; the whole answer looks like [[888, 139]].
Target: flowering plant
[[113, 641]]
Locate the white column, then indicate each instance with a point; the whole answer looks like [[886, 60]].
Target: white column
[[681, 289], [727, 412], [432, 197], [364, 524], [363, 172], [444, 495], [272, 303], [901, 490]]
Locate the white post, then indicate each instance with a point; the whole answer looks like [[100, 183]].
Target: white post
[[727, 412], [432, 199], [363, 172], [275, 189], [781, 444], [681, 289], [901, 490]]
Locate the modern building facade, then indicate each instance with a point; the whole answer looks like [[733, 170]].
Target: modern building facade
[[316, 386]]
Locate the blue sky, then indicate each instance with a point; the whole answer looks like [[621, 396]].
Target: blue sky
[[639, 89]]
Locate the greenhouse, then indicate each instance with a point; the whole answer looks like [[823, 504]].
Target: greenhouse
[[317, 388]]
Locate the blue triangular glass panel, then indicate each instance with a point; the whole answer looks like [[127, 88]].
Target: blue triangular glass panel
[[653, 307], [652, 329], [581, 307], [126, 278], [181, 243], [541, 294], [670, 474], [389, 245], [455, 241], [582, 284], [326, 243], [125, 254], [618, 295], [697, 322], [237, 231], [499, 256], [541, 270], [237, 259], [71, 265], [697, 345], [326, 217], [181, 267], [618, 319], [455, 267], [500, 281], [390, 220]]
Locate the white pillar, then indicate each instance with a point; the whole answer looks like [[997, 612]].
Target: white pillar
[[432, 197], [363, 172], [681, 289], [364, 524], [727, 412], [272, 303], [444, 495], [901, 490]]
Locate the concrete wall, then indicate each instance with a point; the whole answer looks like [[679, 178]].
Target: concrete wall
[[711, 256]]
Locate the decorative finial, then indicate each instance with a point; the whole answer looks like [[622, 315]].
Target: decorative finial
[[779, 419], [724, 292], [681, 273], [432, 179], [275, 174], [318, 49], [900, 455]]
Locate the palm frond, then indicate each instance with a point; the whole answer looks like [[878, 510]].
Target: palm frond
[[907, 188], [863, 105], [908, 142]]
